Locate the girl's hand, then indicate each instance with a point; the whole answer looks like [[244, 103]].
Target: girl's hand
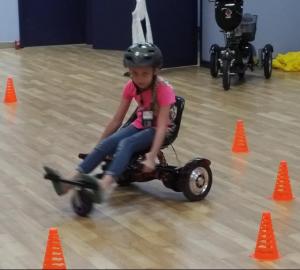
[[149, 163]]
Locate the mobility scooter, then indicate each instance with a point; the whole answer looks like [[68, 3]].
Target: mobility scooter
[[194, 179], [238, 54]]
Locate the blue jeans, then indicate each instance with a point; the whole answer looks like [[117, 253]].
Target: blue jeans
[[122, 144]]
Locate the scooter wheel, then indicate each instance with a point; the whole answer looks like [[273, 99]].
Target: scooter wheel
[[226, 75], [82, 202], [268, 65], [196, 181], [214, 65]]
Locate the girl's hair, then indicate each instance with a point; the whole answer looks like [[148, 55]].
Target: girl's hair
[[156, 82]]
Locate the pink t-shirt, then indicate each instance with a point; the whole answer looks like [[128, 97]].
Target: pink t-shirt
[[165, 96]]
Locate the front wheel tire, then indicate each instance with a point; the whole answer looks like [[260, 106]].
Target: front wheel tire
[[268, 65], [82, 202], [214, 65], [226, 75], [241, 75]]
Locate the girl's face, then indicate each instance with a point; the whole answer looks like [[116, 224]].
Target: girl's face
[[142, 76]]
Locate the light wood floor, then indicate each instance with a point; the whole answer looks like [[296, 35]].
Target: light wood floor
[[66, 95]]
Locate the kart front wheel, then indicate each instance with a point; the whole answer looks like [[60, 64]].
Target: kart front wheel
[[82, 202], [196, 181]]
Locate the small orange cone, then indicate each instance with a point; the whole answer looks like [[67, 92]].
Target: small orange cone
[[240, 142], [54, 258], [266, 248], [10, 93], [283, 190]]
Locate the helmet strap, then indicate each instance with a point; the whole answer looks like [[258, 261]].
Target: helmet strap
[[152, 86]]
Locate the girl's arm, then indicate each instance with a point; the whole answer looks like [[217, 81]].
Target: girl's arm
[[160, 134], [118, 118]]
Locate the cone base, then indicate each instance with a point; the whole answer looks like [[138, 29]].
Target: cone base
[[265, 257], [10, 101], [240, 151], [283, 199]]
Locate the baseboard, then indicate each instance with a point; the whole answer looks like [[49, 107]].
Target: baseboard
[[5, 45]]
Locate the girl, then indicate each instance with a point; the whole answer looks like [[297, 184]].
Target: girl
[[154, 98]]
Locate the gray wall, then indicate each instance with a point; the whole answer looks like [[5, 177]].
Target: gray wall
[[9, 20], [278, 24]]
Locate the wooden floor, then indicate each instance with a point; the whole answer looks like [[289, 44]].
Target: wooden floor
[[66, 95]]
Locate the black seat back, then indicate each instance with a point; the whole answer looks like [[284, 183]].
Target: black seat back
[[175, 116]]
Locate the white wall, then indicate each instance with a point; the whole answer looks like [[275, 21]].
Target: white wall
[[9, 21], [278, 24]]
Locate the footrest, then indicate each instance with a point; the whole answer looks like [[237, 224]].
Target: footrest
[[55, 178], [51, 174], [88, 181]]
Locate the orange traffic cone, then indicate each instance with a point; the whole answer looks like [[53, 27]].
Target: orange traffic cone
[[266, 248], [240, 142], [10, 93], [283, 190], [54, 258]]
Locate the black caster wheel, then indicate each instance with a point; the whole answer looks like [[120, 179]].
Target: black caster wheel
[[82, 202], [196, 181], [267, 59], [214, 65], [268, 65], [226, 75]]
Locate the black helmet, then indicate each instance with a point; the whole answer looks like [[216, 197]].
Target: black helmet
[[143, 54]]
